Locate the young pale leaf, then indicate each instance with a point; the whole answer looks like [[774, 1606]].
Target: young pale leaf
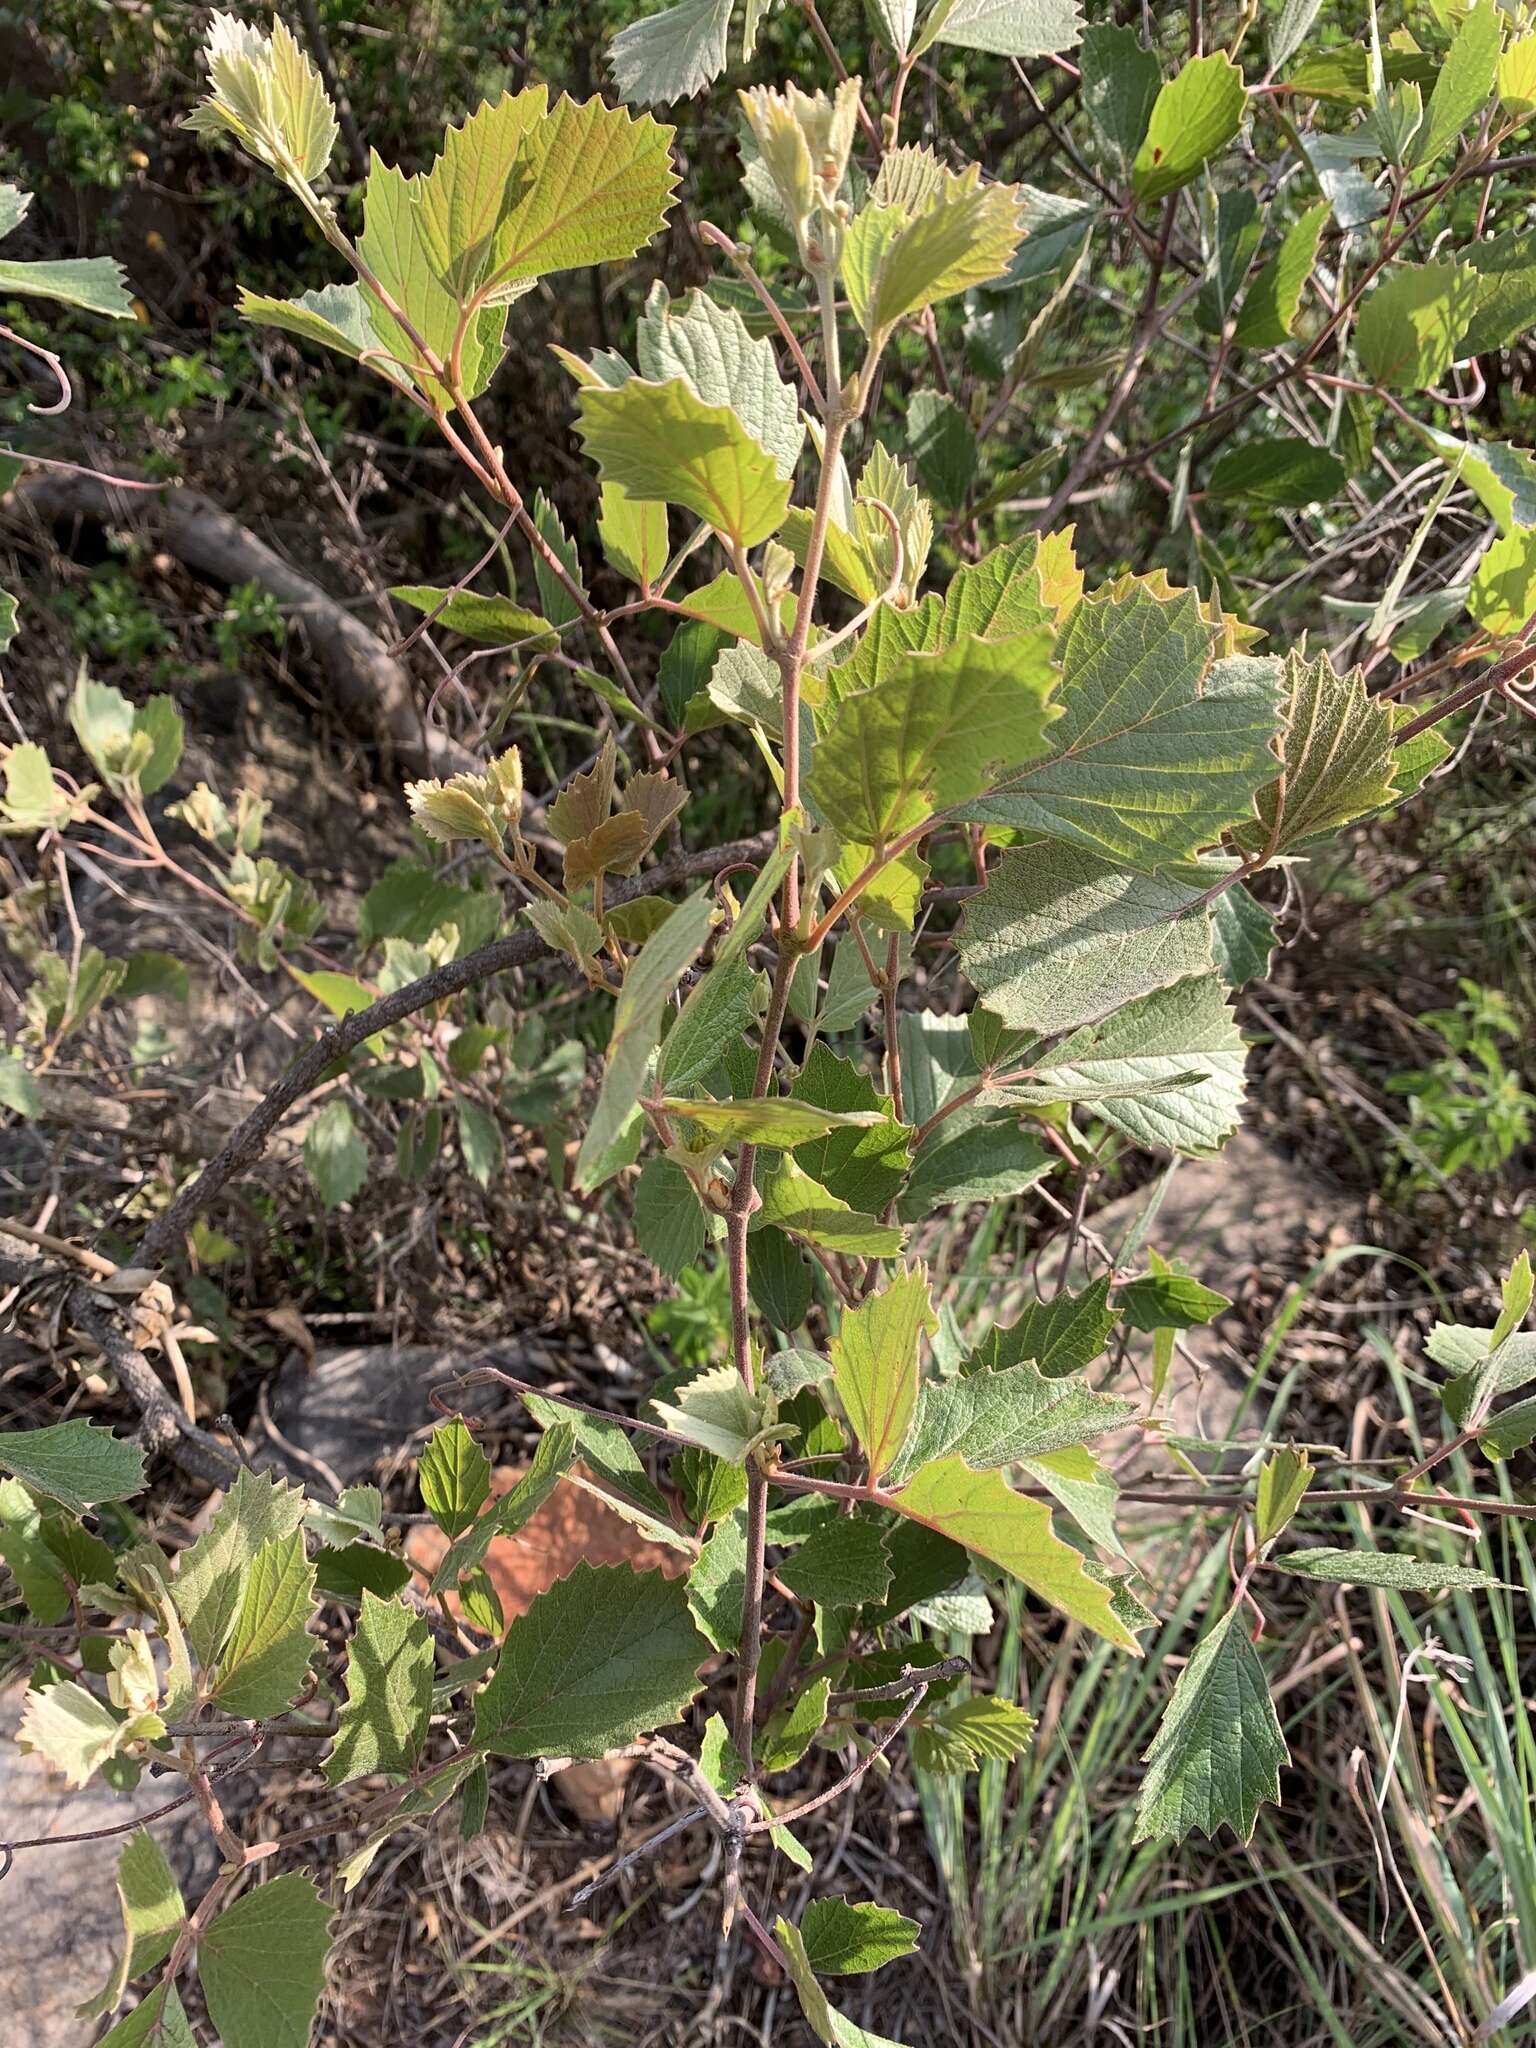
[[1284, 1478], [210, 1575], [843, 1564], [634, 535], [1217, 1754], [1120, 86], [874, 1364], [1463, 82], [266, 94], [264, 1664], [961, 1734], [648, 985], [1337, 754], [894, 265], [982, 1512], [338, 316], [399, 248], [1195, 114], [1159, 749], [78, 1464], [1058, 937], [1411, 327], [1381, 1568], [1008, 28], [662, 443], [40, 1576], [709, 346], [716, 1412], [76, 1732], [454, 1475], [96, 284], [845, 1940], [936, 730], [605, 1655], [383, 1722], [153, 1912], [671, 55], [261, 1963], [1503, 476]]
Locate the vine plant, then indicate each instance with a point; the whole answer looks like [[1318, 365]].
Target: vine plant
[[1096, 776]]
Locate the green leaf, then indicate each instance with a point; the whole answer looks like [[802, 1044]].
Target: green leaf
[[709, 346], [864, 1167], [134, 748], [262, 1964], [982, 1512], [779, 1121], [1273, 300], [356, 1568], [786, 1735], [336, 1157], [1120, 86], [78, 1464], [398, 246], [1168, 1300], [96, 284], [943, 444], [1502, 475], [1503, 593], [1060, 1336], [717, 1583], [1058, 937], [1463, 81], [933, 732], [721, 1008], [605, 1655], [1282, 472], [778, 1275], [1167, 1070], [843, 1940], [1195, 114], [38, 1572], [829, 2027], [1337, 753], [604, 1448], [715, 1411], [874, 1364], [1009, 28], [1217, 1752], [1517, 78], [992, 1419], [158, 2021], [338, 316], [843, 1564], [648, 985], [263, 1666], [257, 1510], [1381, 1568], [634, 536], [454, 1476], [1410, 328], [793, 1201], [989, 1161], [961, 1734], [671, 55], [267, 95], [153, 1911], [1159, 749], [662, 442], [1284, 1478], [383, 1722], [1505, 293], [420, 1803], [552, 1459], [492, 621], [669, 1221], [895, 265]]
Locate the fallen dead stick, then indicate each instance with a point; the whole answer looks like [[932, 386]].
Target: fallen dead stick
[[374, 690]]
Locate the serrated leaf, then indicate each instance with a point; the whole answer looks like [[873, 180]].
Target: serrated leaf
[[1273, 300], [994, 1158], [895, 265], [792, 1201], [961, 1734], [1120, 84], [605, 1449], [1411, 326], [454, 1475], [38, 1572], [605, 1655], [265, 1662], [844, 1940], [648, 985], [397, 246], [1283, 1479], [786, 1735], [717, 1583], [338, 316], [1463, 81], [874, 1364], [256, 1511], [1168, 1300], [781, 1122], [710, 347], [829, 2027], [1167, 1070], [1381, 1568], [864, 1167], [1503, 593], [662, 443], [993, 1419], [1159, 748], [1337, 753], [1242, 937], [261, 1963], [1060, 1336], [151, 1904], [551, 1460], [383, 1722], [1217, 1753], [1505, 303], [1008, 28], [720, 1009], [1502, 475], [936, 730], [716, 1411], [943, 444], [1283, 472], [1058, 937], [1195, 114], [982, 1512], [96, 284], [669, 1221], [76, 1732], [842, 1564], [634, 535], [673, 54], [78, 1464]]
